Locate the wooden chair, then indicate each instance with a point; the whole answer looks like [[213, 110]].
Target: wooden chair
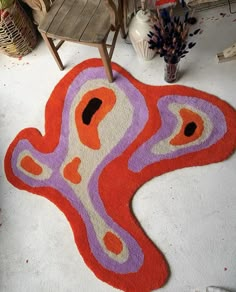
[[87, 22]]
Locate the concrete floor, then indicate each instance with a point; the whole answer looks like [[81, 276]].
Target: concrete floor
[[190, 214]]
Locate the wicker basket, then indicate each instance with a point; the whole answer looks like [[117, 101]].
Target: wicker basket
[[17, 33]]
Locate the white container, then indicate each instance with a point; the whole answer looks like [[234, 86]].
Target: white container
[[139, 27]]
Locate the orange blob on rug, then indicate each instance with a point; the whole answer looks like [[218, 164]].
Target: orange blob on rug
[[102, 142]]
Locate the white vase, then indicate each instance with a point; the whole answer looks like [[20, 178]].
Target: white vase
[[139, 27]]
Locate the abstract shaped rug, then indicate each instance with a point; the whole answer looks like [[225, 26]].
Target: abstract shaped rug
[[102, 142]]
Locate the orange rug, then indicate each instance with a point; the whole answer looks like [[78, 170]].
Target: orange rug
[[102, 142]]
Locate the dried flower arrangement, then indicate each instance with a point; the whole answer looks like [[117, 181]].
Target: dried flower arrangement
[[170, 35]]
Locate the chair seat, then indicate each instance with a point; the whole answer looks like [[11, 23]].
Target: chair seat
[[77, 21]]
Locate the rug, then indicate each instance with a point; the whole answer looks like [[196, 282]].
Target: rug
[[102, 142]]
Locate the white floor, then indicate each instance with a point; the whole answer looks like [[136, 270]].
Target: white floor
[[190, 214]]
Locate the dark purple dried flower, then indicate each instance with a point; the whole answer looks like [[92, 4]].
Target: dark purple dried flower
[[169, 36]]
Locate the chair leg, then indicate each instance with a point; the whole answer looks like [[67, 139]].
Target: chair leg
[[122, 30], [122, 14], [53, 50], [106, 61]]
